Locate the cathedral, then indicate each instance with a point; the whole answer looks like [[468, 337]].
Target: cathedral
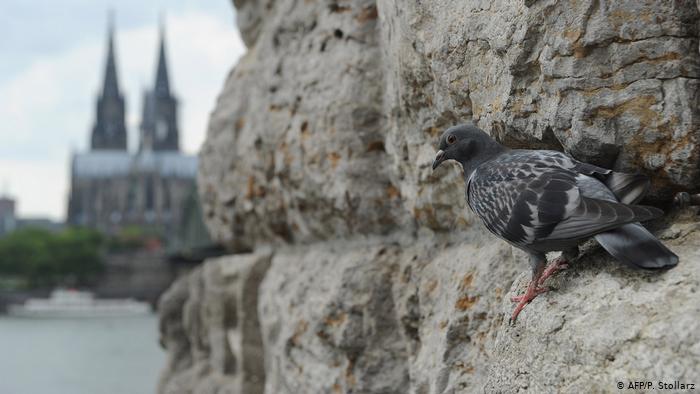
[[152, 188]]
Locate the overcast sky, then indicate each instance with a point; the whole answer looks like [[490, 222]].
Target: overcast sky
[[52, 64]]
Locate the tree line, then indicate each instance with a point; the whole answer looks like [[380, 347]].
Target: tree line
[[34, 257]]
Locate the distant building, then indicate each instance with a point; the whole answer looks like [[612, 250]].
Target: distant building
[[8, 220], [111, 187]]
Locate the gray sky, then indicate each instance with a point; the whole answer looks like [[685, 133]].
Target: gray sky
[[52, 64]]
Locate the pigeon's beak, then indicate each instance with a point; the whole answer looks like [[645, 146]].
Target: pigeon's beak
[[439, 158]]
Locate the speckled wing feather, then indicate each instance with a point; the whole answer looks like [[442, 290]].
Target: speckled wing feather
[[532, 197]]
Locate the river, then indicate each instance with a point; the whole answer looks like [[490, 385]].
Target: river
[[80, 356]]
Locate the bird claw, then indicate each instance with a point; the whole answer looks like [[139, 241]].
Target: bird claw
[[534, 288], [530, 294], [559, 264], [537, 292]]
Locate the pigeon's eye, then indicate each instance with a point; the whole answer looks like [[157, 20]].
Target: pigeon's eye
[[451, 139]]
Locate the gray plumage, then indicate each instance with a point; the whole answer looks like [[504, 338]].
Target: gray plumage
[[542, 201]]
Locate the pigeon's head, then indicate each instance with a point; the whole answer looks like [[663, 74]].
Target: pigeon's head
[[465, 144]]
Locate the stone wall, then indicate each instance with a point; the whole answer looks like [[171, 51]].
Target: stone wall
[[209, 325], [375, 277]]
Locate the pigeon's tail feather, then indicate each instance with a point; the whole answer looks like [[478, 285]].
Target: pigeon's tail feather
[[635, 246], [628, 188]]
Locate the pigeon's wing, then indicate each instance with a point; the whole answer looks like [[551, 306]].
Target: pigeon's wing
[[530, 197], [627, 188], [594, 216], [523, 196], [552, 158]]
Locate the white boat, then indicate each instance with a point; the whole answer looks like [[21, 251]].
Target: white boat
[[73, 303]]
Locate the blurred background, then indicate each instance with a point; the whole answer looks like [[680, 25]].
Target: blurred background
[[103, 107]]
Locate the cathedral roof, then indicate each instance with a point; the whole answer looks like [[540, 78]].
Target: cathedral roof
[[114, 163]]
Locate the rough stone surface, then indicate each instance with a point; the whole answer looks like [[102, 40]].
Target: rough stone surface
[[295, 149], [382, 317], [432, 318], [614, 83], [400, 316], [327, 126], [209, 326], [380, 280], [606, 324]]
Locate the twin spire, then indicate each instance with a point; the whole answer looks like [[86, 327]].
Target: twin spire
[[162, 82], [109, 131], [110, 87]]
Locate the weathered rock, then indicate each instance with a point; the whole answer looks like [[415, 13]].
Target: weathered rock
[[433, 318], [400, 316], [605, 324], [381, 317], [250, 17], [612, 83], [380, 279], [295, 148], [327, 126], [209, 326]]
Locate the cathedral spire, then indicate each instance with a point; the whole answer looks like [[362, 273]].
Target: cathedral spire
[[159, 129], [110, 87], [109, 131], [162, 88]]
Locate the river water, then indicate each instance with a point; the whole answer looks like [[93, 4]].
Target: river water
[[80, 356]]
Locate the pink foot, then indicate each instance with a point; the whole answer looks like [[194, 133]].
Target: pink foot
[[530, 294], [538, 291], [559, 264]]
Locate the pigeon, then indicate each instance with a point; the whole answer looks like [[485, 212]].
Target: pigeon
[[543, 201]]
